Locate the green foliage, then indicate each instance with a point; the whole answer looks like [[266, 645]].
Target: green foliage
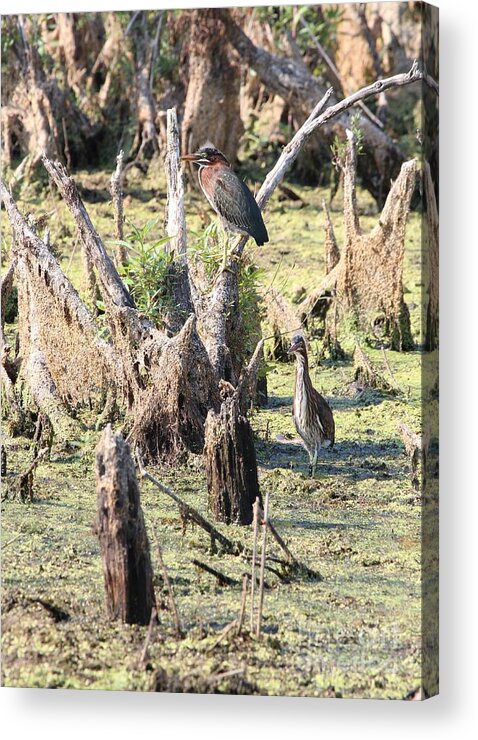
[[322, 22], [207, 249], [147, 270], [250, 305], [9, 36], [339, 146]]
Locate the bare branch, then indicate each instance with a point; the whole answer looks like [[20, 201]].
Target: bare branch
[[175, 220], [116, 190], [111, 282], [349, 169]]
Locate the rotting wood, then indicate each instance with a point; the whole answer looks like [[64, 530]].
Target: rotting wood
[[111, 284], [179, 277], [416, 447], [432, 258], [280, 319], [222, 635], [367, 280], [225, 290], [188, 512], [390, 374], [81, 364], [169, 414], [22, 485], [144, 652], [35, 368], [231, 466], [122, 534], [229, 546], [6, 286], [247, 385], [366, 375]]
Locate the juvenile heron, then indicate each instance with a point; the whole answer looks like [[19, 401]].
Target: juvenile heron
[[312, 414], [228, 195]]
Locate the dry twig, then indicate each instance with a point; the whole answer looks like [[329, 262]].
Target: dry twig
[[254, 555], [172, 600], [263, 562]]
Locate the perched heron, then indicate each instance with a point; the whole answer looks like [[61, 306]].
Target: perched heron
[[312, 414], [227, 194]]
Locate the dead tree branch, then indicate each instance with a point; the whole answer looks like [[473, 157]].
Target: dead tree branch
[[299, 88], [116, 189], [222, 579], [176, 224], [111, 283], [188, 512]]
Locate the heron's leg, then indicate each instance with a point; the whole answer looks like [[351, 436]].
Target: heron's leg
[[225, 240], [313, 463]]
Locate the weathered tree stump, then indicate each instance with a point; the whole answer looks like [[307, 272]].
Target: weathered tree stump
[[367, 279], [416, 447], [231, 466], [120, 527], [368, 376]]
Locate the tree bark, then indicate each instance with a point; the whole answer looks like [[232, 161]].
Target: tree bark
[[180, 279], [146, 134], [122, 534], [231, 466], [116, 190], [281, 319], [211, 108]]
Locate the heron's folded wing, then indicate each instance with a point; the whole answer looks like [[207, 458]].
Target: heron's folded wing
[[235, 202]]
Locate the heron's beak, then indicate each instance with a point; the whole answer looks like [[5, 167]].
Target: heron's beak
[[292, 348], [190, 157]]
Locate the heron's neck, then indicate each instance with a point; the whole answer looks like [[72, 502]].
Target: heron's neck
[[302, 369]]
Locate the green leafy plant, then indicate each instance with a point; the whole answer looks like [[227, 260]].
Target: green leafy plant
[[339, 146], [208, 249], [147, 269]]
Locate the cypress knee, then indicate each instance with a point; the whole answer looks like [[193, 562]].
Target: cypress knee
[[231, 465], [120, 527]]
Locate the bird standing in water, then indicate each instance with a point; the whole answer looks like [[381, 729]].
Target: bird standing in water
[[312, 414], [228, 195]]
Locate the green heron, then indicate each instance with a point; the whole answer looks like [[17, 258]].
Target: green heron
[[312, 414], [228, 195]]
